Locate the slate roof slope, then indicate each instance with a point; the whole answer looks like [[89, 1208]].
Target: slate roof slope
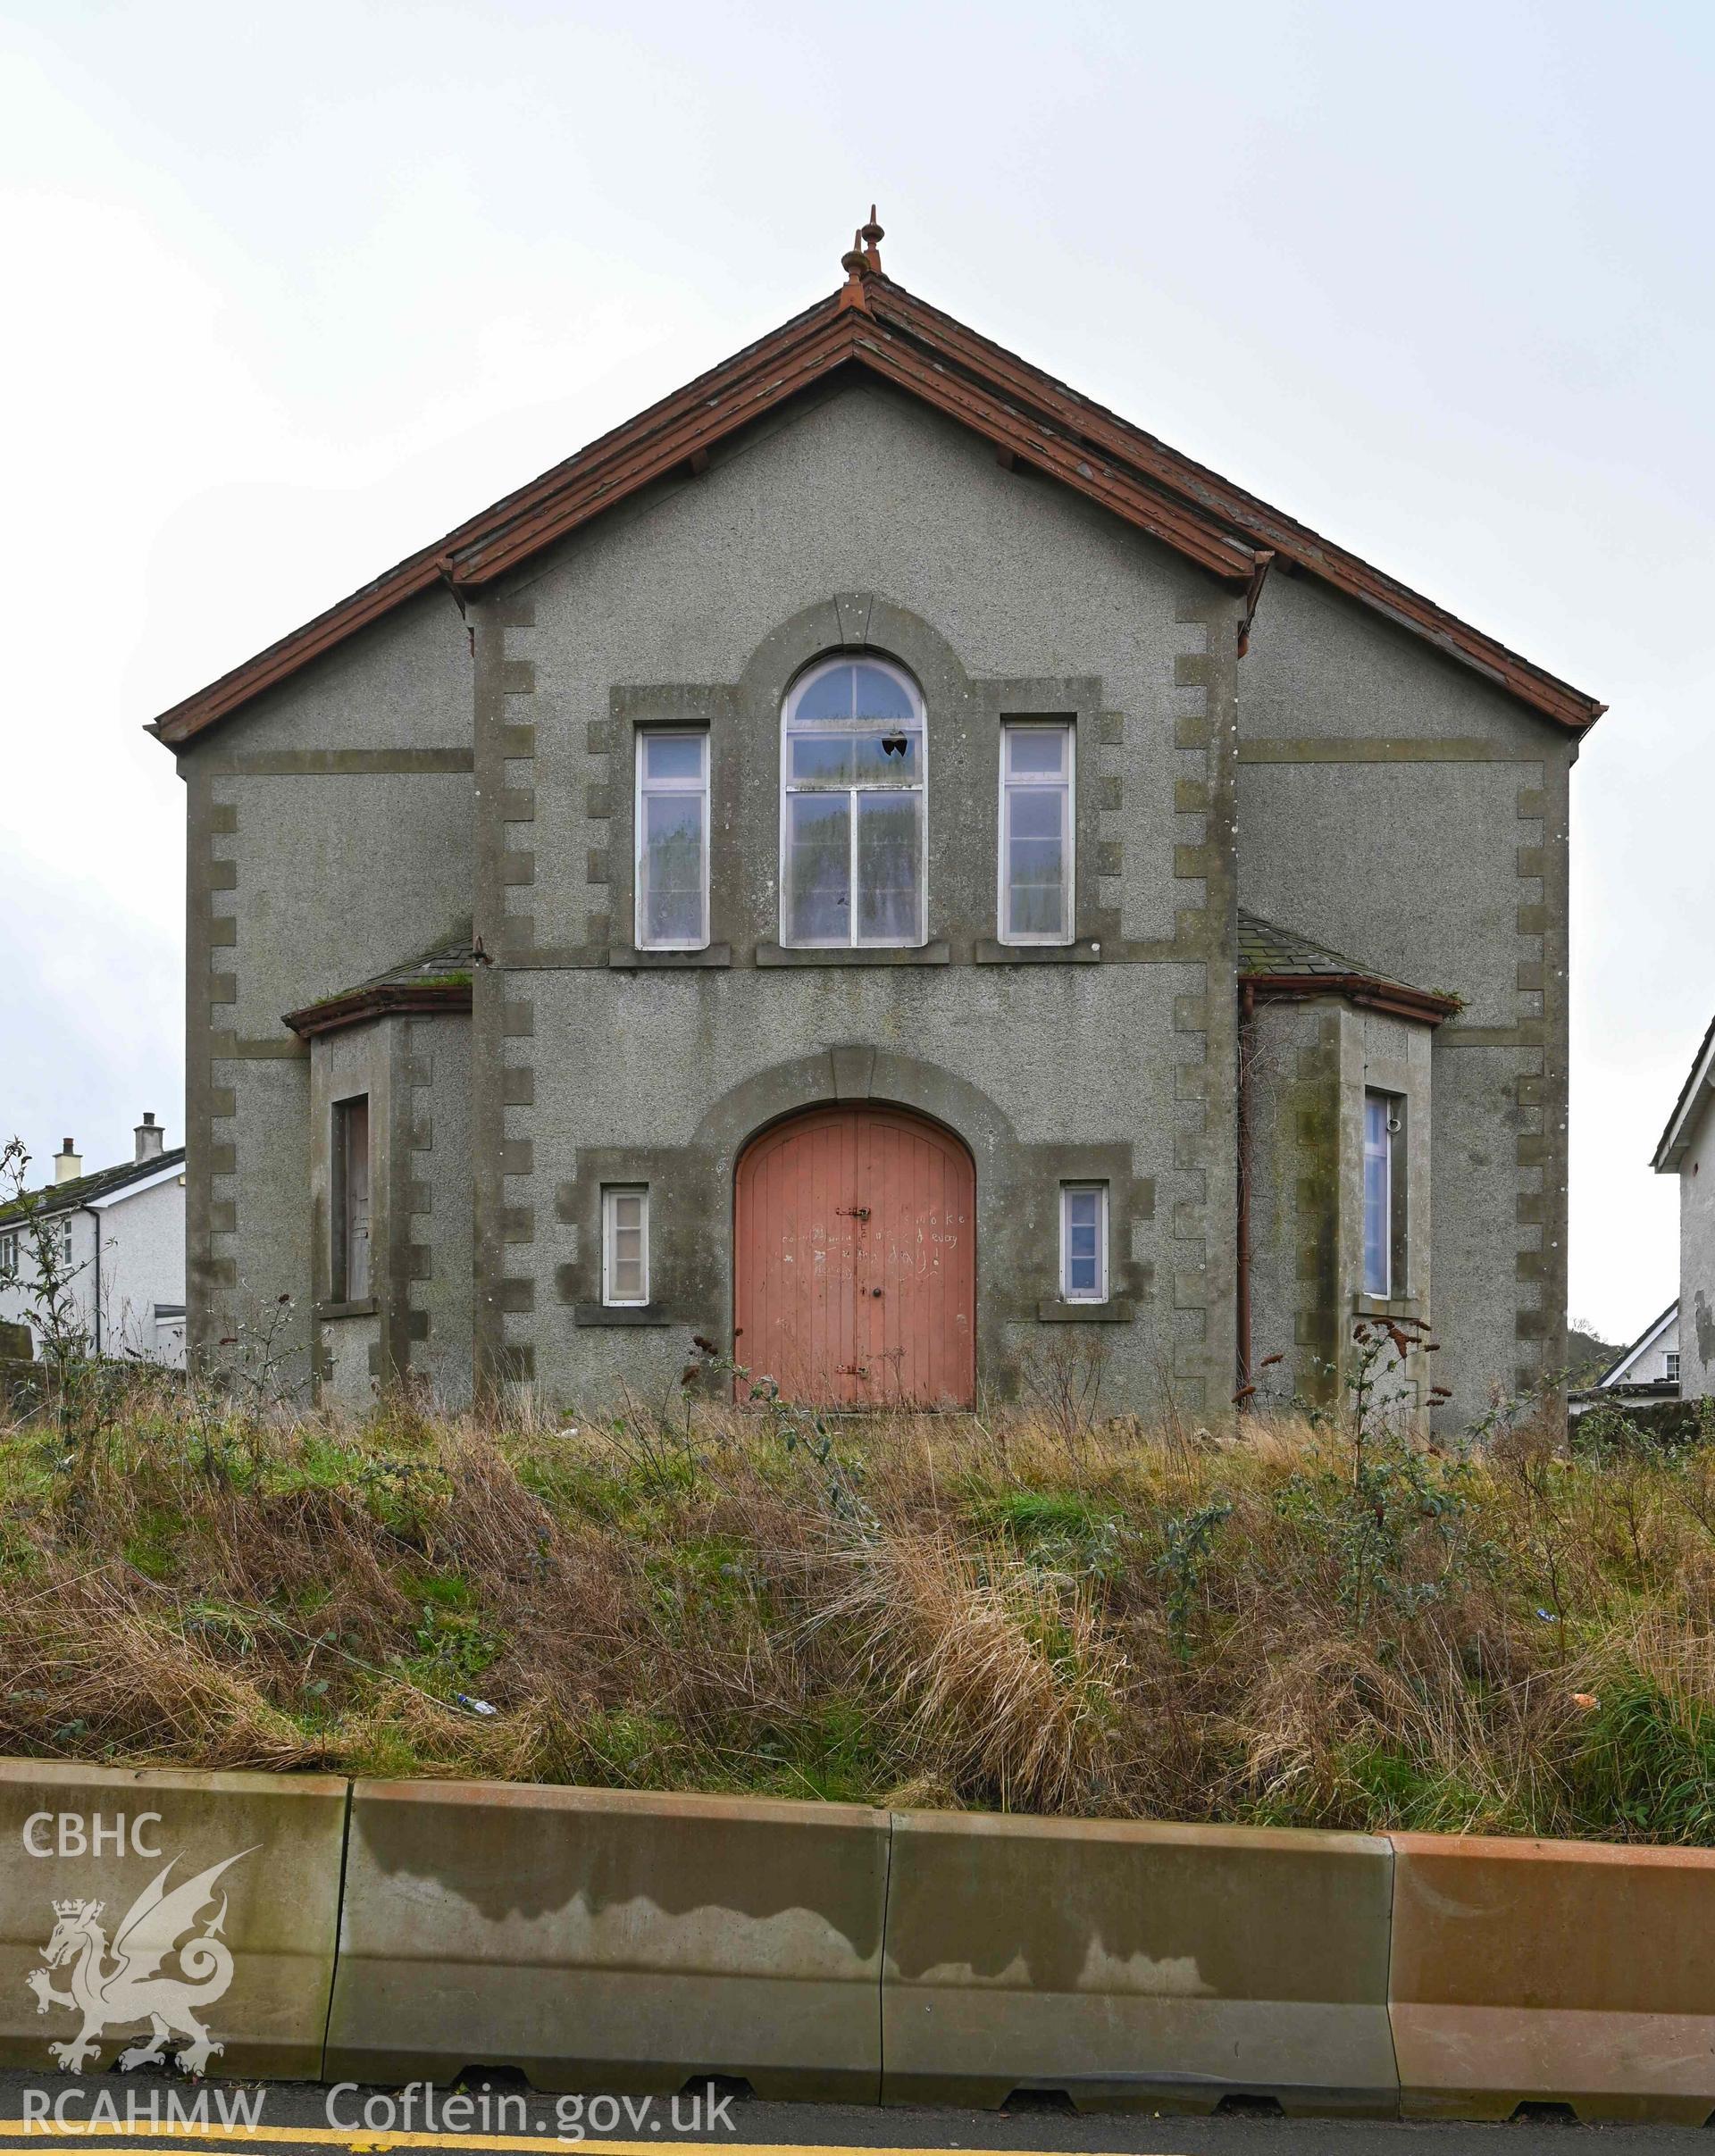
[[437, 979], [86, 1190], [1282, 961], [873, 323]]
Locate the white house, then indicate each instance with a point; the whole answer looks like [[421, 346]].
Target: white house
[[1689, 1135], [122, 1237], [1651, 1361]]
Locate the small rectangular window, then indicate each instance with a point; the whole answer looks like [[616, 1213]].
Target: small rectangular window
[[1383, 1123], [625, 1246], [1036, 835], [672, 840], [350, 1268], [1084, 1241], [1671, 1360], [9, 1252]]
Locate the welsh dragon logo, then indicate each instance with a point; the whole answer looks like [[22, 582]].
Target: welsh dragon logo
[[132, 1990]]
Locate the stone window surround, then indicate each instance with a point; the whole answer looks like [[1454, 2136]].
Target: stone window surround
[[962, 720], [1018, 1186]]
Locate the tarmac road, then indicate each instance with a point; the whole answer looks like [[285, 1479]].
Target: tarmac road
[[279, 2119]]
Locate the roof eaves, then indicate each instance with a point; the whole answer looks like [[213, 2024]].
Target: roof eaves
[[1021, 409], [1263, 525], [383, 999], [1670, 1147]]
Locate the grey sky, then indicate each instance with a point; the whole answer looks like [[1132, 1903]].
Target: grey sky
[[291, 290]]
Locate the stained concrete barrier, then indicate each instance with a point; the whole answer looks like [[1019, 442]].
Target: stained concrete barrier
[[1553, 1972], [603, 1940], [1151, 1966], [148, 1915]]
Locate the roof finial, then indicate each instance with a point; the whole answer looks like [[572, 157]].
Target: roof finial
[[872, 236], [851, 293]]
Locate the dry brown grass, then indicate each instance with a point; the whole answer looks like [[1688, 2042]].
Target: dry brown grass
[[991, 1611]]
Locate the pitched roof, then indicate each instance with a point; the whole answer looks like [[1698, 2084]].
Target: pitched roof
[[1285, 963], [1645, 1338], [1700, 1082], [93, 1188], [873, 323], [436, 980]]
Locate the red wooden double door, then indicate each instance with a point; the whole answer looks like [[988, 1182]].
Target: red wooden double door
[[855, 1260]]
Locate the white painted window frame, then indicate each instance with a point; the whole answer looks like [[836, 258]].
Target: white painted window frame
[[610, 1197], [1671, 1364], [10, 1246], [794, 696], [644, 786], [1033, 781], [1068, 1293]]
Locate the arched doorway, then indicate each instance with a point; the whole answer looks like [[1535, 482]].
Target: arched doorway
[[855, 1259]]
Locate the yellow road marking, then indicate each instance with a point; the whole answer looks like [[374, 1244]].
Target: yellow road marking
[[71, 2137]]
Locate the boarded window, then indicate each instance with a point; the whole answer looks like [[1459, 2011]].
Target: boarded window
[[351, 1179]]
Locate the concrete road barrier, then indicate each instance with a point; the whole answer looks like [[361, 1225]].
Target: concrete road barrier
[[149, 1915], [604, 1940], [1152, 1966], [1553, 1972]]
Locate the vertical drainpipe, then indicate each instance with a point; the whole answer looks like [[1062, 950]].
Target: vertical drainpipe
[[1246, 1013]]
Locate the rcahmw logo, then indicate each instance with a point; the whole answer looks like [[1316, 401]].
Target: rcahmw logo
[[114, 1987]]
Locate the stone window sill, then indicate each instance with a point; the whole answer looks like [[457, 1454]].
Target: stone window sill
[[1117, 1311], [1400, 1306], [623, 958], [622, 1314], [921, 954], [365, 1307], [1084, 952]]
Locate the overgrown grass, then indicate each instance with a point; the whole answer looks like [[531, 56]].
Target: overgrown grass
[[1288, 1627]]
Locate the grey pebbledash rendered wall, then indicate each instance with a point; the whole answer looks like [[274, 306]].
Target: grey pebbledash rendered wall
[[1395, 806], [329, 838], [860, 519]]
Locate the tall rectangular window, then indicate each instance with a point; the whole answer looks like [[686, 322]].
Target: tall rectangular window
[[9, 1252], [1084, 1241], [671, 841], [1036, 832], [1671, 1367], [350, 1268], [625, 1246], [1382, 1125]]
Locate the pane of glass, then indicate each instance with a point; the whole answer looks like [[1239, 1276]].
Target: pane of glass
[[1082, 1233], [1378, 1226], [1035, 750], [673, 868], [888, 759], [821, 759], [818, 868], [1035, 862], [888, 859], [879, 695], [672, 756], [628, 1210], [828, 698]]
